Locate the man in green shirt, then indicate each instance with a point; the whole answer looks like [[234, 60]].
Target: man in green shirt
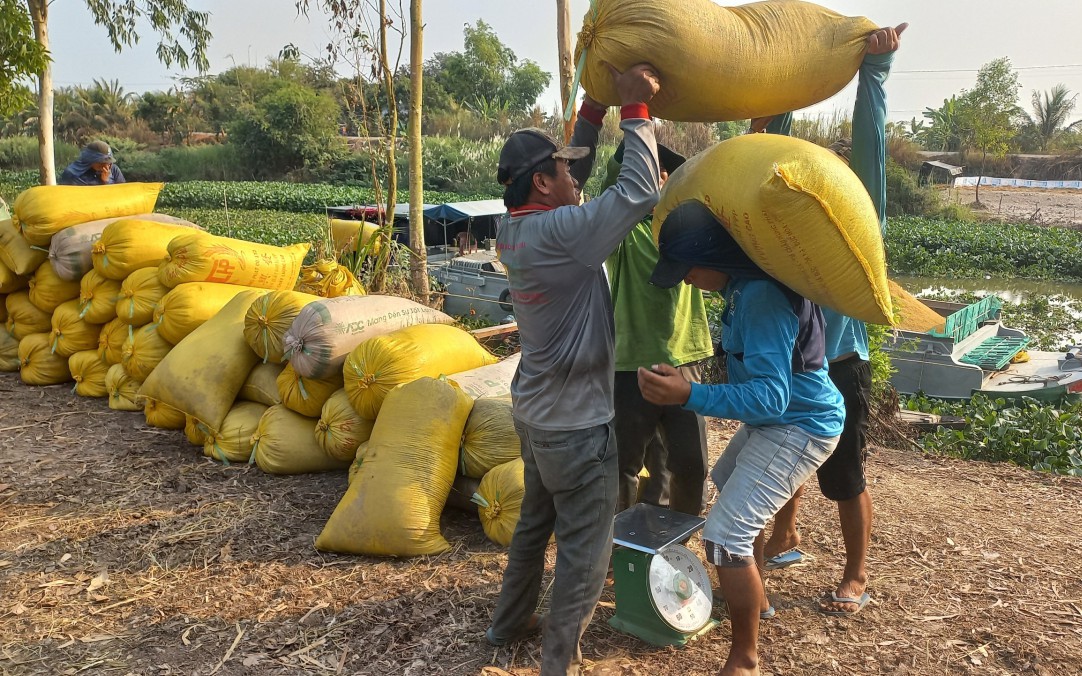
[[656, 326]]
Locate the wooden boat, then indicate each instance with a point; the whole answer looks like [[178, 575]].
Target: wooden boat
[[972, 351]]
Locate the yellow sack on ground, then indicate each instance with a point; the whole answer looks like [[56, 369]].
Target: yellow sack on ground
[[9, 353], [233, 442], [16, 253], [393, 506], [325, 331], [162, 415], [70, 332], [723, 63], [3, 309], [44, 210], [306, 395], [379, 364], [202, 374], [489, 438], [98, 297], [351, 236], [285, 443], [140, 293], [493, 380], [70, 249], [123, 390], [499, 500], [268, 320], [192, 433], [88, 370], [197, 257], [261, 385], [111, 341], [143, 351], [37, 363], [132, 244], [185, 308], [328, 279], [47, 291], [340, 430], [11, 282], [798, 211], [358, 460], [24, 317]]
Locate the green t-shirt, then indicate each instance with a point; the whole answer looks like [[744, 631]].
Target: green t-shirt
[[653, 325]]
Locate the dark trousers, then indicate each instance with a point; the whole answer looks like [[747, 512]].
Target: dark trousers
[[641, 428]]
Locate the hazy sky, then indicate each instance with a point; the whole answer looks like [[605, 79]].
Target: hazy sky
[[946, 43]]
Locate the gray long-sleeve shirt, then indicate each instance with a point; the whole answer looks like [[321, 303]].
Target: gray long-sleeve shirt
[[554, 261]]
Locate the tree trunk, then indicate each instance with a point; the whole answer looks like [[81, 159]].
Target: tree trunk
[[977, 190], [419, 259], [39, 16], [567, 64]]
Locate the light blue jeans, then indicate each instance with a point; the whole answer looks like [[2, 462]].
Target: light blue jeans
[[756, 475]]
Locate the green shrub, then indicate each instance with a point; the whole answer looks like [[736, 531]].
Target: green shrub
[[20, 153], [904, 196], [280, 196], [213, 162]]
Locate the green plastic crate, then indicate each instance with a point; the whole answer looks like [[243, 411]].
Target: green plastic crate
[[964, 322], [994, 353]]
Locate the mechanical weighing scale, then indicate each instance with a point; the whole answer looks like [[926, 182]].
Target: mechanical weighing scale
[[663, 591]]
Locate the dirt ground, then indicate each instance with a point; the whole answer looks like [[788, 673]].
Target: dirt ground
[[1061, 207], [124, 551]]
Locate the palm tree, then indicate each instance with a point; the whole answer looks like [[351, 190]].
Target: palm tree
[[1050, 113], [945, 132]]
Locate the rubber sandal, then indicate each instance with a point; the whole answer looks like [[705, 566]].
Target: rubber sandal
[[533, 626], [861, 601]]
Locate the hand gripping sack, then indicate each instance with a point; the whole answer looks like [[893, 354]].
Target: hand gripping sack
[[489, 438], [38, 365], [70, 332], [44, 210], [16, 253], [47, 291], [285, 443], [9, 353], [69, 250], [143, 351], [493, 380], [723, 63], [140, 293], [379, 364], [198, 257], [111, 341], [268, 320], [24, 317], [393, 505], [123, 390], [187, 306], [131, 244], [261, 386], [98, 298], [11, 282], [499, 500], [202, 374], [798, 211], [233, 442], [89, 371], [340, 430], [325, 331], [306, 395]]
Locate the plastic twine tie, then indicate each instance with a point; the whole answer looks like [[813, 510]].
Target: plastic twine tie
[[479, 500]]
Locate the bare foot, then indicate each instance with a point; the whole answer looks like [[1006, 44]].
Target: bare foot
[[780, 542], [732, 668], [852, 589]]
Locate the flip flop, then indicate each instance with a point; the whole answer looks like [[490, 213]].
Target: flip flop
[[767, 614], [784, 560], [533, 626], [861, 601]]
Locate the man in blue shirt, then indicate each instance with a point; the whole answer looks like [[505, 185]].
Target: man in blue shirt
[[95, 166]]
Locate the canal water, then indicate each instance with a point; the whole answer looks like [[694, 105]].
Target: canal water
[[1011, 290]]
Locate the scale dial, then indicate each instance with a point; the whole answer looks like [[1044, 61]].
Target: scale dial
[[680, 589]]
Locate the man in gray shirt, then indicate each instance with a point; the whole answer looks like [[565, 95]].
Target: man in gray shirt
[[554, 249]]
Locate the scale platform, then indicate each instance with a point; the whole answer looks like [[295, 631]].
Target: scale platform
[[649, 529]]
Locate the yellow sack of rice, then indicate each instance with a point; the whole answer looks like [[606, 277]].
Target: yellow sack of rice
[[198, 257], [797, 210], [9, 353], [913, 315], [37, 363], [24, 317], [111, 341], [233, 442], [16, 253], [70, 332], [306, 395], [380, 364], [285, 443], [489, 438], [123, 390], [328, 279], [140, 293], [70, 249], [11, 282], [499, 500], [261, 385], [98, 297], [393, 506], [47, 291], [340, 430], [89, 371], [184, 308], [268, 320], [162, 415], [493, 380], [132, 244], [729, 63], [44, 210], [358, 459], [325, 331], [202, 374], [143, 351], [3, 309], [353, 236], [194, 435]]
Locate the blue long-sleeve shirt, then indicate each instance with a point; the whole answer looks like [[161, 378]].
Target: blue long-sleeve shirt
[[758, 335], [89, 176]]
